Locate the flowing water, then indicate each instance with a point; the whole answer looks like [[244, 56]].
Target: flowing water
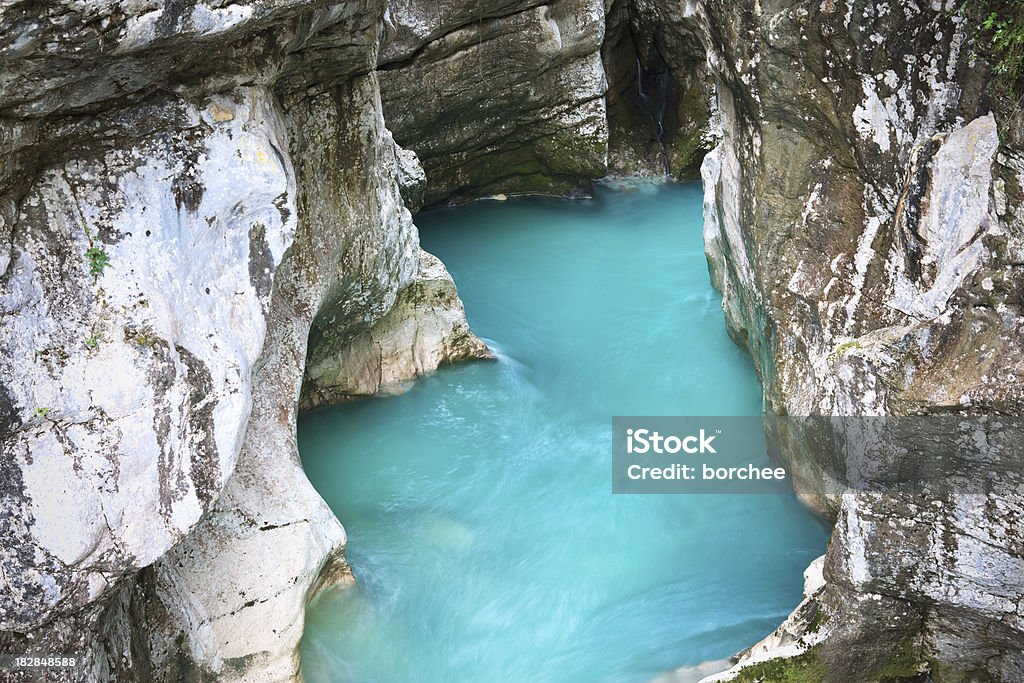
[[481, 524]]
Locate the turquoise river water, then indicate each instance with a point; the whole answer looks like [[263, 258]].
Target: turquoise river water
[[486, 541]]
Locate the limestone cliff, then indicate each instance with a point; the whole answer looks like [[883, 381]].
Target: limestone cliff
[[864, 222], [530, 97], [659, 92], [515, 91], [186, 187]]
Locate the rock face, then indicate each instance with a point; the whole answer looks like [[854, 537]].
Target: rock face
[[541, 98], [659, 92], [193, 193], [353, 253], [188, 259], [864, 223], [425, 329], [515, 92], [179, 202]]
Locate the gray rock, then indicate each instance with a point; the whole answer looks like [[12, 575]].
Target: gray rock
[[134, 313], [193, 192], [425, 329], [659, 92], [166, 254], [515, 92], [412, 181], [270, 536], [857, 226]]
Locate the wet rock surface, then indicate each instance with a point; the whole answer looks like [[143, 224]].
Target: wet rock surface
[[660, 94]]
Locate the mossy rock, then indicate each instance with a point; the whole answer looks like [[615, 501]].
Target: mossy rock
[[805, 668]]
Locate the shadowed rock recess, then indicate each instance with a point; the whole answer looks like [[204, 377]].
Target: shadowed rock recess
[[204, 217]]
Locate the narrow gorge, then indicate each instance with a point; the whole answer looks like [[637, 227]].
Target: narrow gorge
[[207, 222]]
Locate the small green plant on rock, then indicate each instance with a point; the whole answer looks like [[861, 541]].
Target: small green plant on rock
[[803, 668], [41, 411], [98, 260], [91, 342], [845, 348], [143, 336], [998, 32], [1002, 24]]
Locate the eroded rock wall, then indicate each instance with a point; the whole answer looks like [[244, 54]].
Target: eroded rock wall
[[187, 189], [864, 222], [511, 96], [180, 201], [659, 95], [269, 534], [497, 96], [135, 290], [425, 329]]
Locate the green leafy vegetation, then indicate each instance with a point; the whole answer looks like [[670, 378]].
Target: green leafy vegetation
[[91, 342], [1000, 32], [98, 260], [41, 411]]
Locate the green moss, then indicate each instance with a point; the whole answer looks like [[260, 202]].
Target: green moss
[[570, 154], [143, 336], [819, 618], [845, 348], [805, 668], [688, 153], [903, 664], [689, 145]]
